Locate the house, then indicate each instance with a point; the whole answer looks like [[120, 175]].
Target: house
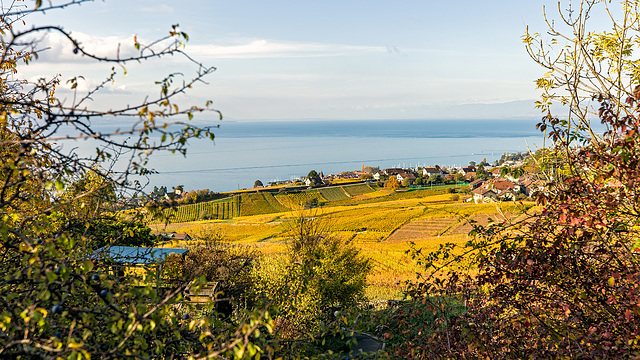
[[476, 184], [467, 169], [470, 176], [484, 195], [405, 175], [502, 185], [432, 170], [393, 171]]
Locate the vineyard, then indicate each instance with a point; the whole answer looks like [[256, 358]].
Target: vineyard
[[423, 228], [271, 199], [257, 203], [334, 193], [358, 189], [219, 209], [383, 226]]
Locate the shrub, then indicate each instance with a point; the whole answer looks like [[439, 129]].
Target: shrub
[[228, 266], [316, 276]]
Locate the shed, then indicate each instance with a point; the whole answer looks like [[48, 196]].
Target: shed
[[130, 255]]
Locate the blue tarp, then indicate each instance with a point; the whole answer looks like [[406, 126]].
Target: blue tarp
[[136, 255]]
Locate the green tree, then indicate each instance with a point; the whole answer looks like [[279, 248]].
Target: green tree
[[481, 173], [257, 184], [319, 274], [434, 179]]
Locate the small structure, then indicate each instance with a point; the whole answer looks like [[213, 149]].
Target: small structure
[[174, 236], [132, 256]]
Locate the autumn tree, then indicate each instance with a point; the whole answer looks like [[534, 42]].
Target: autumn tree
[[560, 281], [57, 299], [392, 183]]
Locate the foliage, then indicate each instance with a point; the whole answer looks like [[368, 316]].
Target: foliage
[[110, 232], [561, 282], [481, 173], [58, 299], [392, 183], [318, 275], [258, 184], [228, 267], [406, 182], [434, 179]]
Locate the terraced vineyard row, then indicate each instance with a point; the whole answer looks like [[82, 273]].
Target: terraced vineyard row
[[275, 203], [255, 204], [219, 209], [358, 189], [422, 228], [334, 193]]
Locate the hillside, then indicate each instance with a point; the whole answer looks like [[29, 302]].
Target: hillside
[[383, 225]]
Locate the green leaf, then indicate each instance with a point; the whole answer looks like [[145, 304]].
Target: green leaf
[[59, 185]]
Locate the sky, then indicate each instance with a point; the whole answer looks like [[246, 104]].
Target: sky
[[291, 60]]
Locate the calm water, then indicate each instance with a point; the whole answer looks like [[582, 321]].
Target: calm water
[[277, 150]]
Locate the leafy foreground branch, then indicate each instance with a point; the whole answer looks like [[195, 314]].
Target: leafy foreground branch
[[564, 283], [57, 300]]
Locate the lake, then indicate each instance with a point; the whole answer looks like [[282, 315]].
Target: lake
[[281, 150]]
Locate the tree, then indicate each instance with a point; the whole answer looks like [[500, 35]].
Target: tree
[[257, 184], [435, 179], [561, 281], [407, 182], [58, 300], [393, 183], [312, 174], [481, 173], [319, 274]]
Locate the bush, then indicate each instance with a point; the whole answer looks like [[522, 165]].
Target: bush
[[318, 275], [228, 266]]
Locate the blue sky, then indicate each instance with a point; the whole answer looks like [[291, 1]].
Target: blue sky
[[321, 59]]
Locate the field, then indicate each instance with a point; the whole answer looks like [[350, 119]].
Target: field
[[381, 223]]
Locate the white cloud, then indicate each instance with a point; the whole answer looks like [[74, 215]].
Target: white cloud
[[261, 48], [160, 8], [57, 48]]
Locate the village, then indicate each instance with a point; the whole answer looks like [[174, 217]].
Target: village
[[503, 180]]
